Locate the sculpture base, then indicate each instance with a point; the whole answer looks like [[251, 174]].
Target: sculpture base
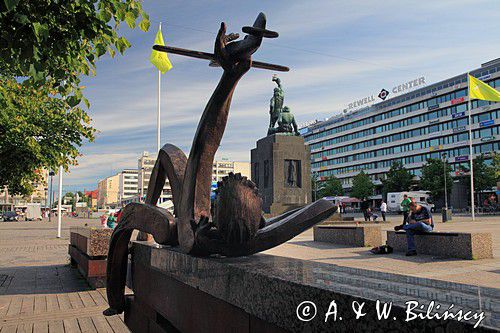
[[260, 293], [281, 168]]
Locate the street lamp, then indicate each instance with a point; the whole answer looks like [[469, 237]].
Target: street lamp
[[315, 173], [446, 213], [445, 187], [51, 174]]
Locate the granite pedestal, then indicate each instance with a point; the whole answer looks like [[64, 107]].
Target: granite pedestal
[[446, 244], [88, 250], [281, 168], [359, 236], [175, 292]]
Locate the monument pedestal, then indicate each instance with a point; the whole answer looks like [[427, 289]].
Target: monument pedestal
[[281, 168]]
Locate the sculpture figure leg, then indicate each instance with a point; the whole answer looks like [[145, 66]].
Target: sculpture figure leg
[[151, 219]]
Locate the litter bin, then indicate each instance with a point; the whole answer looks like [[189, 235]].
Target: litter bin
[[446, 214]]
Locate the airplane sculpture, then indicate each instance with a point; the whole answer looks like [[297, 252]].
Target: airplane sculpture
[[237, 50]]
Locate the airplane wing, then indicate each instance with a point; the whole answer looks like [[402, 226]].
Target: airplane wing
[[210, 56]]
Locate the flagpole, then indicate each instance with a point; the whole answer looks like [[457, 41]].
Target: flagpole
[[469, 107], [158, 115]]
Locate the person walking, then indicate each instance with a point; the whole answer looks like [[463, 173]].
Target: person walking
[[383, 209], [405, 207]]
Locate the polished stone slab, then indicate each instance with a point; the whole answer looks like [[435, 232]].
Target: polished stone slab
[[461, 245], [271, 288], [358, 236]]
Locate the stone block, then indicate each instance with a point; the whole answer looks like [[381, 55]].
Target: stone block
[[92, 241], [359, 236], [446, 244], [92, 269]]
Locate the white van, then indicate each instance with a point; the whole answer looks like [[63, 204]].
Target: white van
[[421, 197]]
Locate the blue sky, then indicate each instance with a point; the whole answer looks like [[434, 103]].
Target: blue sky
[[338, 51]]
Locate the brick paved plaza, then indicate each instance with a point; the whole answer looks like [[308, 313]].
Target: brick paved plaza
[[39, 292]]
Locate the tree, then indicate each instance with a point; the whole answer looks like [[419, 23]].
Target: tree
[[496, 166], [398, 179], [56, 42], [362, 186], [331, 187], [484, 175], [45, 48], [432, 179]]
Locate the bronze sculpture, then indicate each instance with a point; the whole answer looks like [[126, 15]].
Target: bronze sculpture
[[275, 105], [280, 114], [237, 227]]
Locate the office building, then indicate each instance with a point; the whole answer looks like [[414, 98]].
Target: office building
[[409, 128], [128, 184], [223, 167], [145, 164], [107, 192]]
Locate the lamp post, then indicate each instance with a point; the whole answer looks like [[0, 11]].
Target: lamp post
[[445, 187], [446, 213], [142, 184], [51, 174], [315, 177]]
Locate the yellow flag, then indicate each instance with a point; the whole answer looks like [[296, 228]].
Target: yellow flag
[[160, 59], [480, 90]]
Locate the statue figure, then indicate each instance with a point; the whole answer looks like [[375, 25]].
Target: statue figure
[[286, 122], [279, 114], [275, 105], [290, 179], [237, 227]]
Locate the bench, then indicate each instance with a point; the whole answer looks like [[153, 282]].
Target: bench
[[446, 244], [88, 250], [358, 236]]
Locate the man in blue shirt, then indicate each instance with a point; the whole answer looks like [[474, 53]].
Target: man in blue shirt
[[420, 220]]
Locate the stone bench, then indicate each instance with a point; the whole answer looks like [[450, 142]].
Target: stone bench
[[446, 244], [88, 250], [359, 236]]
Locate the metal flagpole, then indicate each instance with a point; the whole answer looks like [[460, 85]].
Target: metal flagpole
[[158, 115], [59, 203], [469, 107]]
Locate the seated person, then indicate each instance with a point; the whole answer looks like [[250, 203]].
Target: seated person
[[420, 220]]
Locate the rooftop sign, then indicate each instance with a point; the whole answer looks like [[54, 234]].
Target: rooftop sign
[[383, 94]]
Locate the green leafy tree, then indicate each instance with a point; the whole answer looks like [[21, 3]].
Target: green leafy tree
[[484, 175], [45, 48], [432, 179], [362, 186], [55, 42], [398, 179], [496, 166], [331, 187]]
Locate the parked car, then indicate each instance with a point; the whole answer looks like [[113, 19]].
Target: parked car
[[10, 216]]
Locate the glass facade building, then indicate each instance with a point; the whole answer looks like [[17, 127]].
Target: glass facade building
[[409, 128]]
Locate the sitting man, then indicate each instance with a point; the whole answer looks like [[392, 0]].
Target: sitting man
[[420, 220]]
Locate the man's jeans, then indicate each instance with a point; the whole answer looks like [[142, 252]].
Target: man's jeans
[[412, 229]]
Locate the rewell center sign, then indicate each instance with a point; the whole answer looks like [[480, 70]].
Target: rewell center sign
[[383, 94]]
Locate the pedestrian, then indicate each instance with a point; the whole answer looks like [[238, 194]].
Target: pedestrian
[[343, 207], [104, 218], [365, 205], [405, 207], [111, 221], [383, 209]]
